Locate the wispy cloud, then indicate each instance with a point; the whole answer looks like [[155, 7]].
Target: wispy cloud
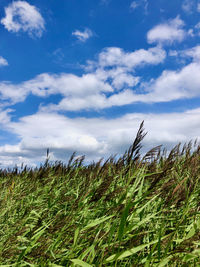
[[197, 29], [105, 2], [191, 6], [140, 3], [167, 32], [134, 5], [188, 6], [198, 7], [3, 62], [21, 16], [83, 35]]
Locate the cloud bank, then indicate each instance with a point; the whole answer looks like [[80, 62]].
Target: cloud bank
[[95, 137], [111, 80]]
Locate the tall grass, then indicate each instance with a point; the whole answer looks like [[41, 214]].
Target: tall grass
[[130, 211]]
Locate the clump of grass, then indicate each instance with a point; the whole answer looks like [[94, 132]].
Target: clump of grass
[[130, 211]]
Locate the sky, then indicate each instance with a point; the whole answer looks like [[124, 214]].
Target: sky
[[81, 75]]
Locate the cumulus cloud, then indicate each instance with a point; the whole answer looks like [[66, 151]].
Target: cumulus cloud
[[94, 101], [46, 84], [83, 35], [21, 16], [119, 66], [94, 137], [193, 53], [172, 85], [169, 86], [3, 62], [89, 90], [115, 56], [111, 82], [167, 32], [190, 53]]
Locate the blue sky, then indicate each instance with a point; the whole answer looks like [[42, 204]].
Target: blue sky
[[81, 76]]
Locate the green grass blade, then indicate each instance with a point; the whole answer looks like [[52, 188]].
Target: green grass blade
[[123, 220], [97, 222], [130, 252], [80, 263]]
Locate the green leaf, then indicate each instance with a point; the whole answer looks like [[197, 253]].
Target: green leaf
[[138, 211], [132, 251], [97, 222], [76, 233], [144, 221], [123, 221], [165, 261], [81, 263], [55, 265], [189, 257], [127, 253], [191, 233]]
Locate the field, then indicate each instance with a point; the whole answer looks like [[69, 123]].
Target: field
[[127, 211]]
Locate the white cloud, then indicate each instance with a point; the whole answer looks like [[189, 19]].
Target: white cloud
[[105, 2], [191, 6], [114, 56], [46, 84], [94, 101], [83, 35], [134, 5], [90, 89], [5, 116], [194, 53], [111, 82], [172, 85], [21, 16], [188, 6], [103, 88], [191, 33], [167, 32], [197, 26], [198, 7], [169, 86], [197, 29], [95, 137], [173, 53], [3, 62]]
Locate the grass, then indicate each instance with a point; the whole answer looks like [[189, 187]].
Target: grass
[[129, 211]]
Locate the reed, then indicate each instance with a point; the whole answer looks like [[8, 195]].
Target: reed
[[130, 211]]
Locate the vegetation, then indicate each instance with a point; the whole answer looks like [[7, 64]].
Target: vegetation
[[127, 211]]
